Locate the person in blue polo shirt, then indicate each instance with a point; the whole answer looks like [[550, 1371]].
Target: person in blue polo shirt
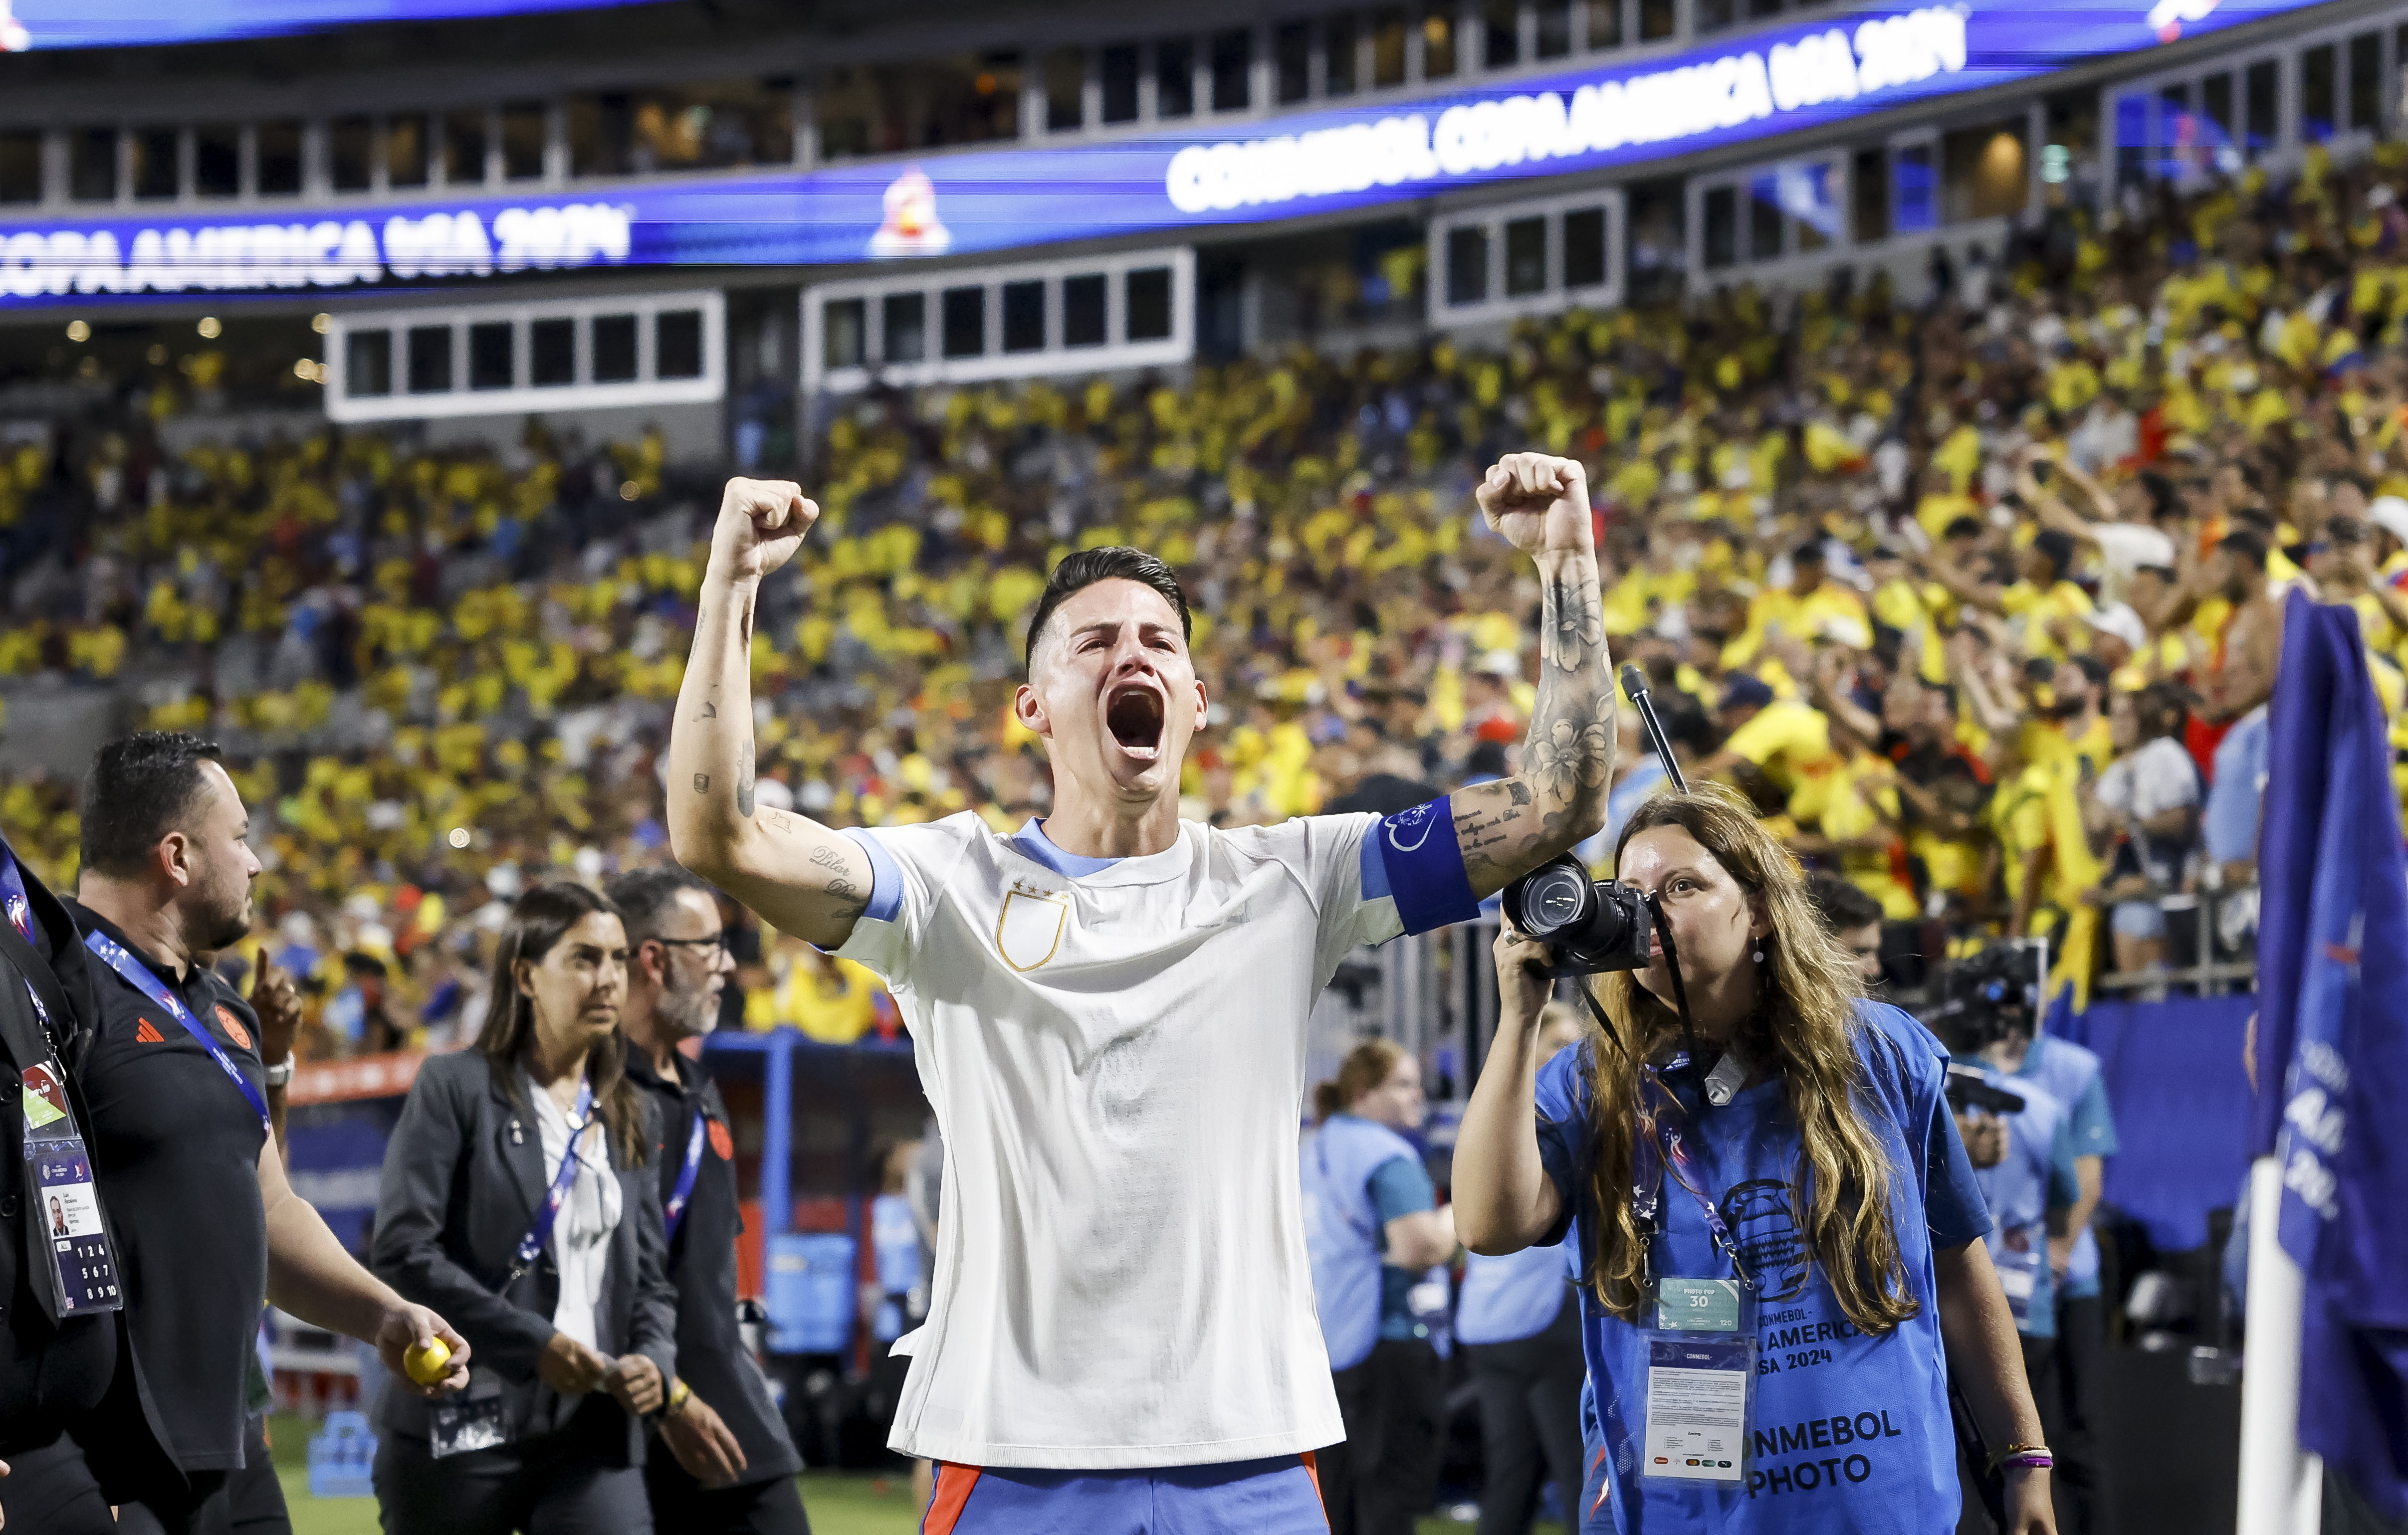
[[1519, 1325], [2023, 1161], [2072, 1075], [1375, 1233]]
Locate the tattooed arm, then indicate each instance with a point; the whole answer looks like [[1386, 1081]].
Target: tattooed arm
[[801, 877], [1508, 828]]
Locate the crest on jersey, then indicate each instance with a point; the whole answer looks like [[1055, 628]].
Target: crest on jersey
[[1028, 931]]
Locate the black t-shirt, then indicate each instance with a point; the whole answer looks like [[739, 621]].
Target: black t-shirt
[[175, 1147], [710, 1353]]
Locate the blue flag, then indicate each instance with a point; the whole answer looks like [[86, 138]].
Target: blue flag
[[2332, 1045]]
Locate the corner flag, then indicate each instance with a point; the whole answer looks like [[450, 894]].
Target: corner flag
[[2332, 1050]]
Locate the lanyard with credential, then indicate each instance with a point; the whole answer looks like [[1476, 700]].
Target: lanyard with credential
[[531, 1244], [140, 976], [66, 1221], [1647, 1190], [674, 1212], [1702, 1350]]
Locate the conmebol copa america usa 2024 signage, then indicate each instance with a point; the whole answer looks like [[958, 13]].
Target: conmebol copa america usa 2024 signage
[[140, 24], [1777, 80], [1634, 111]]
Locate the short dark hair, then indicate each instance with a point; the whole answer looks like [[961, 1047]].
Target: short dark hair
[[644, 897], [137, 791], [2161, 709], [1841, 906], [2056, 548], [1113, 562], [2247, 548], [2164, 500]]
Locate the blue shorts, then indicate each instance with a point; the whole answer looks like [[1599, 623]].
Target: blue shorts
[[1280, 1496]]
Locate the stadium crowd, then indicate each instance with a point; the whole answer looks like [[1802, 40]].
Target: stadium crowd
[[1977, 597]]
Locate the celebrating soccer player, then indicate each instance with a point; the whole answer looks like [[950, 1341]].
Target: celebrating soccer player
[[1109, 1010]]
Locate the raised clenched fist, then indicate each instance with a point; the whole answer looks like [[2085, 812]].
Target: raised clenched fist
[[1538, 503], [761, 524]]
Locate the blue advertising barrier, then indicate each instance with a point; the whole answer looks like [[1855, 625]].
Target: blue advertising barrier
[[338, 1160], [341, 1455], [2181, 1101], [812, 1292]]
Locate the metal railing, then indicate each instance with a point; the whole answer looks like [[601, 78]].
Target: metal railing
[[2211, 947]]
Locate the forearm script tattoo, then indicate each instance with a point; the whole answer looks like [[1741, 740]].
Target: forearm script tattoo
[[1569, 756]]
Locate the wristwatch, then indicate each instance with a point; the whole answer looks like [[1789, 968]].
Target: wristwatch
[[673, 1401], [280, 1075]]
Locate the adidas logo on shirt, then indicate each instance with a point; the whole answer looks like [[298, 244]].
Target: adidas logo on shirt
[[145, 1034]]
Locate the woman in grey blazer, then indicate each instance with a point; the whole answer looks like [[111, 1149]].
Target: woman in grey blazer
[[552, 1268]]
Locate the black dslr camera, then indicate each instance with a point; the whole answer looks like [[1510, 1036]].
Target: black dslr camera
[[1986, 997], [1992, 994], [1594, 925]]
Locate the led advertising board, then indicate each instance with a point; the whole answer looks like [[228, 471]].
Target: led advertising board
[[137, 24], [1600, 117]]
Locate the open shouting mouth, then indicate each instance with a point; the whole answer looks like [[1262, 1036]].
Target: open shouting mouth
[[1133, 712]]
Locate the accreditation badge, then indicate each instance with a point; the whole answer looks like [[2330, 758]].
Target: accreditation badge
[[1427, 1302], [66, 1207], [2019, 1276], [1701, 1381], [475, 1419]]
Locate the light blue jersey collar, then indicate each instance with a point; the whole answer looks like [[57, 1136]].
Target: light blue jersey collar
[[1033, 843]]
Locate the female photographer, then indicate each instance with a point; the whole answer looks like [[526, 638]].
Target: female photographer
[[517, 1190], [1821, 1216]]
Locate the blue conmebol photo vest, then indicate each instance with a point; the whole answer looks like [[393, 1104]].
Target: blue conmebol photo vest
[[1341, 1230]]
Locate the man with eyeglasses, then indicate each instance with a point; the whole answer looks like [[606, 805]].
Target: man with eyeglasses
[[729, 1465]]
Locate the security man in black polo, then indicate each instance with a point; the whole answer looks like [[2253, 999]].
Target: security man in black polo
[[731, 1466], [209, 1229], [58, 1336]]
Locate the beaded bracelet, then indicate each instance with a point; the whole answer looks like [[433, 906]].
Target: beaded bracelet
[[2025, 1458]]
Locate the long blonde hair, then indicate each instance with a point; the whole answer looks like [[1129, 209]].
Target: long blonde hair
[[1805, 1028]]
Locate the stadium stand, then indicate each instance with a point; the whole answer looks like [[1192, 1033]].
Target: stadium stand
[[1918, 671]]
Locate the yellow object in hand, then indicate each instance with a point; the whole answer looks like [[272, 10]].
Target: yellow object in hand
[[428, 1362]]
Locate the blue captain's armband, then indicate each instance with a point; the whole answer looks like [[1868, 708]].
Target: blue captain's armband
[[1413, 859], [885, 876]]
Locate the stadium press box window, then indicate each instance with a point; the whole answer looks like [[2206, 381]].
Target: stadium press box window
[[1959, 182], [1133, 309], [1771, 212], [497, 358], [1526, 256], [2340, 86]]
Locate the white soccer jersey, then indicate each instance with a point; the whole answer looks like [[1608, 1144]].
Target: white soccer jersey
[[1116, 1060]]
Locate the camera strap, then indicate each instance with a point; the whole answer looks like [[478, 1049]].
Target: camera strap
[[1680, 997], [1702, 1349]]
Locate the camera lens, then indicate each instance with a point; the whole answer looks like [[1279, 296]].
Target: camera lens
[[1555, 901], [1610, 927]]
